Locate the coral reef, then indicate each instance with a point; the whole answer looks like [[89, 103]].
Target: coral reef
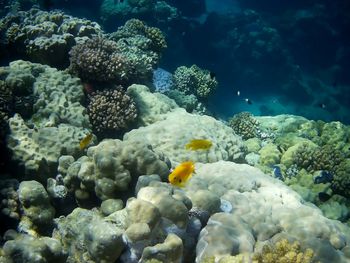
[[111, 111], [9, 196], [179, 127], [99, 59], [37, 212], [38, 150], [87, 237], [110, 167], [57, 97], [142, 45], [162, 80], [25, 248], [194, 80], [248, 189], [245, 125], [39, 34], [157, 12], [152, 107], [341, 180]]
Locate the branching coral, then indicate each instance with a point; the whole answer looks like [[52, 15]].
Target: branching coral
[[99, 59], [111, 111], [341, 180], [317, 158], [194, 80], [142, 45], [245, 125]]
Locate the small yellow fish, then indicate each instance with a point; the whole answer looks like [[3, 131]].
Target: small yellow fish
[[85, 141], [181, 174], [198, 144]]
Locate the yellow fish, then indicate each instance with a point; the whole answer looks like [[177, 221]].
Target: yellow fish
[[85, 141], [181, 174], [198, 144]]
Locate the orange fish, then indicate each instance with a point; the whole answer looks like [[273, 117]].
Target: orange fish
[[181, 174]]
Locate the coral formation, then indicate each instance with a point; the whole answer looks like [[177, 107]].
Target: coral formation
[[245, 125], [9, 196], [158, 12], [151, 107], [194, 80], [179, 127], [25, 248], [99, 59], [111, 111], [39, 34], [38, 213], [341, 180], [285, 252], [110, 167], [57, 97], [142, 45], [162, 80], [38, 150], [248, 189], [87, 237]]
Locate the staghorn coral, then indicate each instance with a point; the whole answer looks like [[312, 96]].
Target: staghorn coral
[[194, 80], [111, 111], [99, 59], [245, 125], [284, 252]]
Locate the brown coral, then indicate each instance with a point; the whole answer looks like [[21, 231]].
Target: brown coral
[[99, 59], [245, 125], [111, 111]]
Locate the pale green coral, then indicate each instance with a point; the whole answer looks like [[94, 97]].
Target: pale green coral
[[194, 80], [269, 155]]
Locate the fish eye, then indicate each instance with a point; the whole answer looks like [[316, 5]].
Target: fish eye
[[180, 180]]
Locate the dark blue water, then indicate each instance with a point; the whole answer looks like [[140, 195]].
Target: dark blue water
[[284, 56]]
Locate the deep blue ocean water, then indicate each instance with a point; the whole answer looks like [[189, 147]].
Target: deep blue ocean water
[[284, 56]]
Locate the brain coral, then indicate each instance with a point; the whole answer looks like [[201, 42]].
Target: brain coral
[[99, 59], [111, 111], [194, 80]]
